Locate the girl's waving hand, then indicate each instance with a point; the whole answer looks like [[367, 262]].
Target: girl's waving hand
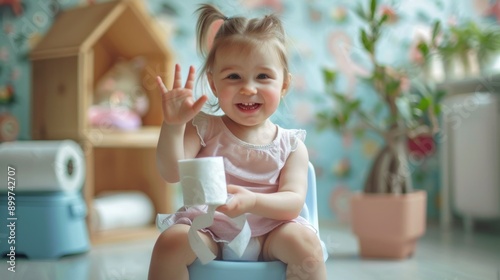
[[178, 104]]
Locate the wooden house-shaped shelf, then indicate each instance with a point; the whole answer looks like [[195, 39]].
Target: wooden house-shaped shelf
[[82, 44]]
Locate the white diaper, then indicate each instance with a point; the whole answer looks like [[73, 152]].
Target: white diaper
[[251, 253]]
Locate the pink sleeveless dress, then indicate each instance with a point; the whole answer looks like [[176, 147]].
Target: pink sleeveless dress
[[257, 167]]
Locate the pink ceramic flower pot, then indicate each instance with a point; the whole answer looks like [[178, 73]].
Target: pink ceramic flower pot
[[388, 225]]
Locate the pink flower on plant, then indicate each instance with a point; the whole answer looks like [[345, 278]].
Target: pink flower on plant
[[405, 83], [392, 16], [339, 14], [421, 146], [422, 35], [415, 55], [452, 21]]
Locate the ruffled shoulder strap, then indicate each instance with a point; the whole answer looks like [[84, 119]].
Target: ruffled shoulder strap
[[202, 123], [293, 136], [297, 135]]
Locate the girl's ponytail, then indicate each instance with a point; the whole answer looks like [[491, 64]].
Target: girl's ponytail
[[210, 20]]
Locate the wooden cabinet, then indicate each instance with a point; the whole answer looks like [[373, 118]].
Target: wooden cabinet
[[82, 44]]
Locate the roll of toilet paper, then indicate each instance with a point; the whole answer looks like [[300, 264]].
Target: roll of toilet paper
[[42, 166], [203, 182], [125, 209]]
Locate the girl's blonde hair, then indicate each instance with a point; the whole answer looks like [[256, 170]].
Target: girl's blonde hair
[[267, 31]]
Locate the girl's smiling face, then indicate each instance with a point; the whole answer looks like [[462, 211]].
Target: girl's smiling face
[[249, 81]]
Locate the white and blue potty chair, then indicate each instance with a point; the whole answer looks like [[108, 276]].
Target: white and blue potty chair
[[44, 223], [250, 270], [48, 225]]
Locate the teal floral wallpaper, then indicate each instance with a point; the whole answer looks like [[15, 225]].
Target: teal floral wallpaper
[[322, 33]]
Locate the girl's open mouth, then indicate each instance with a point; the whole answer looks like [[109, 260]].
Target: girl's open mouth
[[248, 106]]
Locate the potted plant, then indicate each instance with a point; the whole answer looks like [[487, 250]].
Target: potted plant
[[389, 216], [481, 42], [466, 49]]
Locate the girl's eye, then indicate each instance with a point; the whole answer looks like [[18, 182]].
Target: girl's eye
[[233, 76], [263, 76]]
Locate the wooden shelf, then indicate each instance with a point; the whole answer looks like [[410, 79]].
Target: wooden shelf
[[81, 46], [144, 137]]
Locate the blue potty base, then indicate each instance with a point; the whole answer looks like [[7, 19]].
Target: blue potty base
[[216, 270], [45, 225]]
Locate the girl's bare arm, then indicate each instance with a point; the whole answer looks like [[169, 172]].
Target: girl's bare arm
[[177, 140]]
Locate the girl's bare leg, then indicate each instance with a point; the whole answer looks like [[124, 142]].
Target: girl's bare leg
[[298, 247], [172, 254]]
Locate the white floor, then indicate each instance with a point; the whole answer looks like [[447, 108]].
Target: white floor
[[440, 255]]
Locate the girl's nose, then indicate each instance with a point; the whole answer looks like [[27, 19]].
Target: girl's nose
[[248, 89]]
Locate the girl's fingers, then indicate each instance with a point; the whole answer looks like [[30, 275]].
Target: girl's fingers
[[232, 188], [177, 77], [198, 104], [161, 84], [190, 79]]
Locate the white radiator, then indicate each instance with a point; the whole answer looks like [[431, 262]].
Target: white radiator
[[470, 157]]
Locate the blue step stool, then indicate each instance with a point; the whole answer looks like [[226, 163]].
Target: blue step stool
[[49, 225]]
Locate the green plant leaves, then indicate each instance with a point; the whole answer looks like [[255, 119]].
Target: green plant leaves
[[396, 106], [423, 48], [392, 87], [373, 9], [436, 29], [424, 103], [329, 76], [367, 43]]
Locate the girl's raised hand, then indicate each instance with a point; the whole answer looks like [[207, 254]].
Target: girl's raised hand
[[178, 104]]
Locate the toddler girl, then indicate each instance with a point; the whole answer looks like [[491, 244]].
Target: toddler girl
[[266, 166]]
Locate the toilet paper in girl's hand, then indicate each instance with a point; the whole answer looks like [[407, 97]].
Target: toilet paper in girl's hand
[[203, 182]]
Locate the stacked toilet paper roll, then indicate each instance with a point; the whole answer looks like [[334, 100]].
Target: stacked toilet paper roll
[[123, 209], [43, 166]]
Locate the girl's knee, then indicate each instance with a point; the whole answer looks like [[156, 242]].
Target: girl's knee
[[295, 241], [172, 240], [302, 237], [305, 258]]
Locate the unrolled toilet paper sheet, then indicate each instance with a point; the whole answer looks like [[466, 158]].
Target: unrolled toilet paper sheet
[[238, 244]]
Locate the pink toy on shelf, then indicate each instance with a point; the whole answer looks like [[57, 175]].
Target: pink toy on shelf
[[119, 99], [120, 118]]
